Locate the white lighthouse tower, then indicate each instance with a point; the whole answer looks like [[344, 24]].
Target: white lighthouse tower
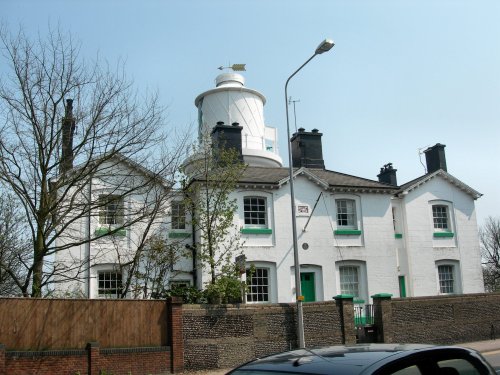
[[231, 102]]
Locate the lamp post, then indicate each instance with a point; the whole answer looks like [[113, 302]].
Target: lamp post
[[325, 46]]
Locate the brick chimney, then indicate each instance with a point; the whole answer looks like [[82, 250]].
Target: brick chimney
[[388, 175], [228, 137], [435, 158], [68, 130], [307, 150]]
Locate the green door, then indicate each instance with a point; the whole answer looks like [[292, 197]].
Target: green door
[[402, 287], [307, 286]]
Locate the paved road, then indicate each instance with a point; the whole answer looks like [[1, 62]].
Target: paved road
[[493, 358], [490, 350]]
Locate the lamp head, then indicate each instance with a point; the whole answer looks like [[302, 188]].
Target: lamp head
[[325, 46]]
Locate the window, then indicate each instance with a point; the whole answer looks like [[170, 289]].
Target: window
[[178, 213], [346, 213], [349, 280], [255, 211], [111, 209], [446, 279], [458, 366], [110, 284], [258, 285], [440, 217]]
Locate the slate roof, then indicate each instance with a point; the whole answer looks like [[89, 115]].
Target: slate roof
[[330, 180], [413, 184], [268, 177]]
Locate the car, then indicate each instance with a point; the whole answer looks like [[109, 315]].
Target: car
[[379, 359]]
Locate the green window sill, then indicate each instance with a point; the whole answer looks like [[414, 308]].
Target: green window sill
[[178, 235], [347, 232], [444, 234], [103, 231], [398, 235], [256, 230]]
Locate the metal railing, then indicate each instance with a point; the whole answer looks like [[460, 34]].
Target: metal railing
[[363, 315]]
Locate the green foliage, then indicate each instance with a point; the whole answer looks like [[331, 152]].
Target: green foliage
[[189, 294], [156, 264], [227, 288]]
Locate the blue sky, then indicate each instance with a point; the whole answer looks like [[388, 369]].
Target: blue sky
[[403, 75]]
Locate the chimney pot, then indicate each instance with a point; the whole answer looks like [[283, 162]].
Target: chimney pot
[[227, 137], [435, 158], [307, 150], [68, 130], [387, 175]]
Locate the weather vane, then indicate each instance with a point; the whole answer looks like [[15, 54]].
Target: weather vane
[[234, 67]]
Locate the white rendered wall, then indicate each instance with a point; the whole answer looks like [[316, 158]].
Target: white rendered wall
[[423, 250], [375, 246]]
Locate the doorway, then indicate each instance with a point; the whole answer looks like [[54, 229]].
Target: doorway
[[308, 286]]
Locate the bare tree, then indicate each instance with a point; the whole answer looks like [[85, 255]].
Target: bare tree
[[75, 139], [489, 235], [15, 248]]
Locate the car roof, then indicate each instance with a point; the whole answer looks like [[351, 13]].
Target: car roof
[[348, 360]]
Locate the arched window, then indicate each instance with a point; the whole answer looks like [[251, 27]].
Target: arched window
[[352, 279], [261, 282], [448, 274]]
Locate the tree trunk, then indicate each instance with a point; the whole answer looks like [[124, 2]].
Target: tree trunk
[[36, 288]]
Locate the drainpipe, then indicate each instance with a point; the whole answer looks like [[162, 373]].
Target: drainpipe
[[193, 254], [89, 235], [193, 248]]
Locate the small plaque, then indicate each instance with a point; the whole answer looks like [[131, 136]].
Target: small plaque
[[303, 210]]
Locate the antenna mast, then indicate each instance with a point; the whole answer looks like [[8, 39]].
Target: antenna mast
[[290, 101]]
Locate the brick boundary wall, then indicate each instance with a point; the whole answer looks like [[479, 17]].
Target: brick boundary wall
[[438, 320], [91, 361], [40, 349], [225, 336]]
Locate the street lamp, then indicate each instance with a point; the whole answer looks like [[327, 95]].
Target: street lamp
[[324, 46]]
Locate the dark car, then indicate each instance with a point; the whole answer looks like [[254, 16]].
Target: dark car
[[380, 359]]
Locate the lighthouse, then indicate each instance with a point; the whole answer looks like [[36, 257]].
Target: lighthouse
[[231, 103]]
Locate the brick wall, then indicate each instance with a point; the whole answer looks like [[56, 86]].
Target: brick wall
[[91, 361], [227, 335]]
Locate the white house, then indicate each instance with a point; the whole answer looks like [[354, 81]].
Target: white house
[[356, 236]]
